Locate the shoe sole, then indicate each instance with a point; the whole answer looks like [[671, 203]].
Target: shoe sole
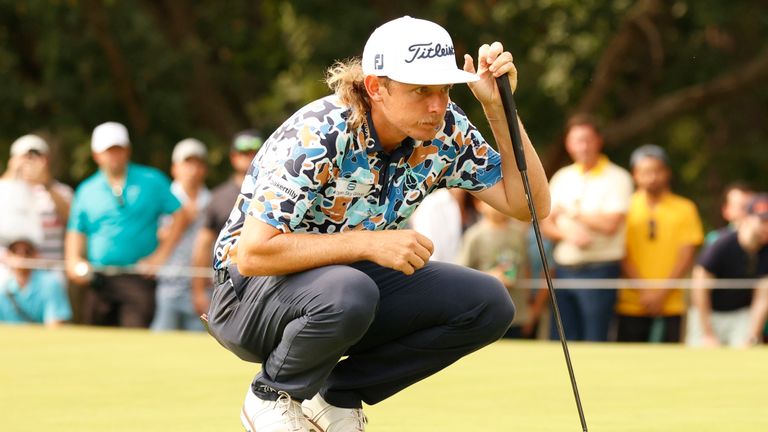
[[246, 421], [316, 427], [249, 426]]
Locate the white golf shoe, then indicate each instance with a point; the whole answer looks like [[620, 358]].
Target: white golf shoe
[[329, 418], [281, 415]]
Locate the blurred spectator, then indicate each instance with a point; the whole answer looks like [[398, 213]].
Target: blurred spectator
[[736, 196], [48, 198], [29, 162], [438, 218], [590, 199], [31, 296], [466, 206], [174, 292], [114, 222], [496, 245], [663, 232], [244, 147], [539, 312], [733, 317]]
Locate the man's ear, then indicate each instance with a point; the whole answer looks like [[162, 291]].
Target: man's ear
[[373, 87]]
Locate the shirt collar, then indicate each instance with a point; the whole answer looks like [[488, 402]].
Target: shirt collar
[[372, 142], [602, 162]]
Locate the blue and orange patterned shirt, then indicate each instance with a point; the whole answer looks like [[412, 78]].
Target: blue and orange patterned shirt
[[317, 175]]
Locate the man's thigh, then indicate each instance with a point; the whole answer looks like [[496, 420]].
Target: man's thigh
[[249, 315], [436, 294]]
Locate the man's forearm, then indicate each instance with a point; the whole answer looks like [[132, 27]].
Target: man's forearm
[[512, 183], [700, 298], [294, 252], [74, 252], [606, 223], [60, 203], [178, 225], [684, 262], [758, 311]]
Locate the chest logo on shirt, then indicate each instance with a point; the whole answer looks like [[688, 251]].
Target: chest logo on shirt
[[351, 189]]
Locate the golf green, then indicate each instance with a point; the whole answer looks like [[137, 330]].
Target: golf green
[[88, 379]]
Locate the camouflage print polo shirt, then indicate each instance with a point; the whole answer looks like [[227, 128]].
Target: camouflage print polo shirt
[[317, 175]]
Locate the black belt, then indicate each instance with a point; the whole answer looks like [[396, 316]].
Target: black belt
[[220, 276]]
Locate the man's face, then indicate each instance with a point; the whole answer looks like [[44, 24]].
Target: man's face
[[755, 228], [416, 111], [651, 175], [735, 206], [191, 170], [241, 161], [113, 160], [583, 144], [18, 251]]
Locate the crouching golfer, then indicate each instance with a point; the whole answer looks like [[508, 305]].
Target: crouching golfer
[[313, 264]]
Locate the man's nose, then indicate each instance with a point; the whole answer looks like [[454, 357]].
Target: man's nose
[[437, 102]]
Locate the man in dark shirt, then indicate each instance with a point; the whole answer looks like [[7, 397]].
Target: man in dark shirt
[[242, 151], [733, 317]]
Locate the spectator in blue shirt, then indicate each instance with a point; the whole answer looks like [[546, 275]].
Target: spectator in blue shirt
[[31, 296], [114, 222]]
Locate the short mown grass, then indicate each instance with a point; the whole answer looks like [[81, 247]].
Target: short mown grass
[[87, 379]]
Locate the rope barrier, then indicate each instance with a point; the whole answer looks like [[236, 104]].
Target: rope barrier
[[559, 283]]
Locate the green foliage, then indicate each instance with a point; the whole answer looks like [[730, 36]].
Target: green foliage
[[170, 70]]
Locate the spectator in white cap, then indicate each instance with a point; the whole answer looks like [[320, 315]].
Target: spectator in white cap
[[174, 291], [317, 277], [114, 222], [30, 163], [242, 150]]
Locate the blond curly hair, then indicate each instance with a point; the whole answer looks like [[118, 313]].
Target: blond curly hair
[[346, 79]]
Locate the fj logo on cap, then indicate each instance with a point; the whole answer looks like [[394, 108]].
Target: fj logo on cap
[[428, 50], [378, 62]]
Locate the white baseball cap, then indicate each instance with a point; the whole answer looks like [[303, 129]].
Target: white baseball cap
[[28, 143], [413, 51], [109, 134], [188, 148]]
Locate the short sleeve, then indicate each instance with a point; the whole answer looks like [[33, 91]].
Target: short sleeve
[[477, 165], [620, 193], [288, 176], [692, 232]]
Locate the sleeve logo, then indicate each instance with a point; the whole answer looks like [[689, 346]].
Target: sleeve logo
[[285, 187]]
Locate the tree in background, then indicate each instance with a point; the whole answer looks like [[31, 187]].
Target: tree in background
[[686, 75]]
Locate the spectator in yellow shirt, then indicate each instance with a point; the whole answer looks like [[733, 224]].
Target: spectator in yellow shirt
[[663, 232]]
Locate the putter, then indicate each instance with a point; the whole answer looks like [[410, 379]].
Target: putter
[[510, 110]]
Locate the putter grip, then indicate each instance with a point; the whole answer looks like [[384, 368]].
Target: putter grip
[[510, 110]]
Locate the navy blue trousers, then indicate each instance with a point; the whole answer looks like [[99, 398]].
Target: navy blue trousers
[[357, 333]]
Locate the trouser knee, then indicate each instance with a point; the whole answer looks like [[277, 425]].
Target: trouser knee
[[499, 311], [351, 307]]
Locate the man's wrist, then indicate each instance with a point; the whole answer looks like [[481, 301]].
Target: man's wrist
[[494, 112]]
